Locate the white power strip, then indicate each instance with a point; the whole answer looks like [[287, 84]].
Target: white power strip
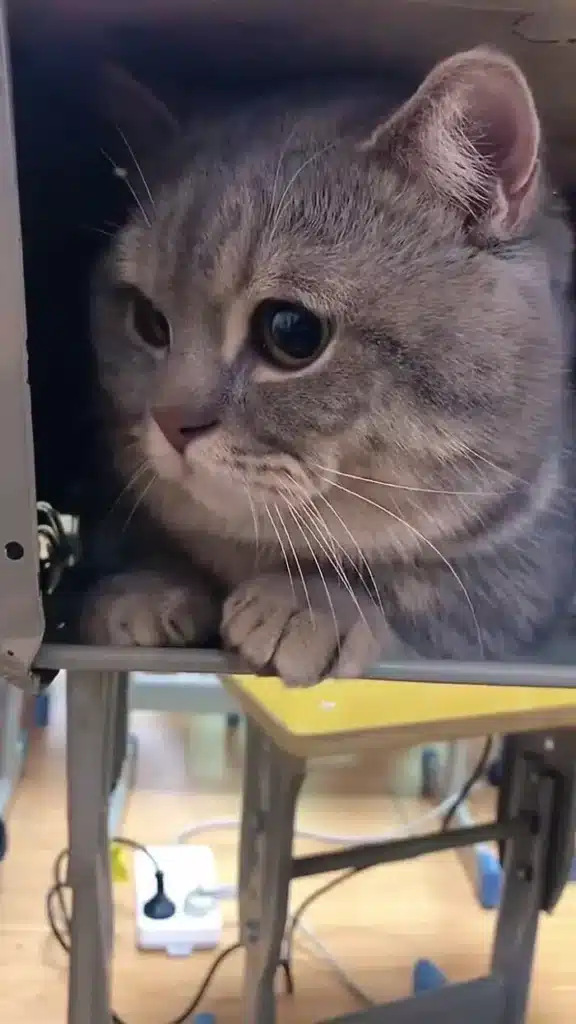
[[189, 871]]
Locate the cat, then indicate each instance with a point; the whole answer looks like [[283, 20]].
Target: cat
[[333, 341]]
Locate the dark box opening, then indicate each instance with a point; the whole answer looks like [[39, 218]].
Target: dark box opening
[[70, 200]]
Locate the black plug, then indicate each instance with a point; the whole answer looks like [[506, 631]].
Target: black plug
[[159, 907]]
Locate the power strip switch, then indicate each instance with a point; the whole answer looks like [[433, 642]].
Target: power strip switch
[[190, 879]]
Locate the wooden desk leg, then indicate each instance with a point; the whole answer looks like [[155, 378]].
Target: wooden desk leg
[[272, 781], [91, 727]]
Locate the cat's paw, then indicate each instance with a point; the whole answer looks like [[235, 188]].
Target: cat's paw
[[301, 637], [147, 609]]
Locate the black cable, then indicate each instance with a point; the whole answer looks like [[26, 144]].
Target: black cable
[[190, 1009], [55, 894], [60, 886], [322, 890], [475, 775], [61, 930], [468, 786], [133, 845]]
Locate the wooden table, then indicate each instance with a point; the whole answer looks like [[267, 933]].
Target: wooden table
[[535, 822], [534, 704]]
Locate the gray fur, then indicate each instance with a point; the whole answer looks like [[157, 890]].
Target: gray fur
[[441, 406]]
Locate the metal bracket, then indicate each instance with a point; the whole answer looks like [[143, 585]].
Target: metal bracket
[[550, 755]]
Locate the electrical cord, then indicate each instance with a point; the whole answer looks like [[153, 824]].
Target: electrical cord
[[55, 905], [295, 922], [468, 786], [57, 545], [55, 895], [448, 808], [331, 839], [316, 946]]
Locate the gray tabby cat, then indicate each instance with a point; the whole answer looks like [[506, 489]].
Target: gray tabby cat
[[333, 343]]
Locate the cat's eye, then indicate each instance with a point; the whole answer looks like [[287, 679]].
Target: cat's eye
[[147, 320], [289, 335]]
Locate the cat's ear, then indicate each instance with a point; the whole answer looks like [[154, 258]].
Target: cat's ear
[[132, 108], [472, 132]]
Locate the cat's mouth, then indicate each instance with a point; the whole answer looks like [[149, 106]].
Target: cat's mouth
[[267, 475]]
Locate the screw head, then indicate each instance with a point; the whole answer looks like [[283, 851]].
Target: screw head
[[526, 873]]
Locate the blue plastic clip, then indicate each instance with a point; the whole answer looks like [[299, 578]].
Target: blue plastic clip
[[426, 977], [490, 878]]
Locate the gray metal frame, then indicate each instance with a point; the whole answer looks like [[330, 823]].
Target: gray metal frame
[[555, 668], [12, 744], [21, 620], [539, 783]]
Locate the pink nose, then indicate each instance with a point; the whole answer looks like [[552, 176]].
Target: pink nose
[[180, 426]]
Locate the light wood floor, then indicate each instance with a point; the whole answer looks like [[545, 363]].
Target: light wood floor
[[376, 925]]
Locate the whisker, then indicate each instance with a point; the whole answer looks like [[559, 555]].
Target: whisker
[[282, 548], [472, 453], [319, 568], [363, 558], [297, 173], [136, 476], [298, 564], [283, 153], [254, 516], [137, 165], [138, 201], [139, 501], [122, 174], [117, 170], [403, 487], [464, 470], [303, 500], [425, 540], [333, 562], [131, 441], [97, 231], [335, 543]]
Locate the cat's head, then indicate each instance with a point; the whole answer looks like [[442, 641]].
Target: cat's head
[[340, 289]]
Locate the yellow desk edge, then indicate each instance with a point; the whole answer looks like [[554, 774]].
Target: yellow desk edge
[[347, 714]]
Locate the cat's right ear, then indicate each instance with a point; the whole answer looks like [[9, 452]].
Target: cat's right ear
[[471, 134], [142, 119]]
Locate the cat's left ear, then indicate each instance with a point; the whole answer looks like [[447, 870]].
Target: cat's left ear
[[471, 133], [142, 118]]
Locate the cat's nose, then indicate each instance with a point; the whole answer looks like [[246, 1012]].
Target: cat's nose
[[180, 426]]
